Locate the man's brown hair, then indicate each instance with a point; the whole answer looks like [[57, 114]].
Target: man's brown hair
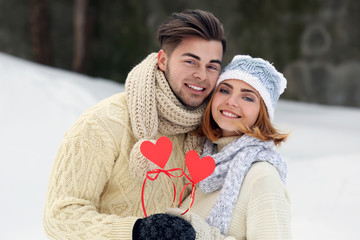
[[190, 23]]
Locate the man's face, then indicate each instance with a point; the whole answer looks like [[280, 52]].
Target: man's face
[[192, 69]]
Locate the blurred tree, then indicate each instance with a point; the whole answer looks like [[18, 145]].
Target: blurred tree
[[83, 24], [39, 26], [314, 42], [121, 38]]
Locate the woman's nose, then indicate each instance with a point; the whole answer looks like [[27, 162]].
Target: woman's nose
[[232, 101]]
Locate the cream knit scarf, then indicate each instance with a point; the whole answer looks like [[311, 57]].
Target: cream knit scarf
[[154, 108], [232, 164]]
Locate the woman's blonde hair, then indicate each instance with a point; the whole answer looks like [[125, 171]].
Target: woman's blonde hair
[[262, 128]]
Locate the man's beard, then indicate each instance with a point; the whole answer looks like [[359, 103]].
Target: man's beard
[[168, 76]]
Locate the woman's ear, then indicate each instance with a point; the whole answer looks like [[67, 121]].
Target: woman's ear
[[162, 60]]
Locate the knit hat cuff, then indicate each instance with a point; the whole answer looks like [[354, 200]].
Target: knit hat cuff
[[252, 81]]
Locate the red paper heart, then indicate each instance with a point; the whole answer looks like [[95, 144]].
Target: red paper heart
[[159, 152], [199, 169]]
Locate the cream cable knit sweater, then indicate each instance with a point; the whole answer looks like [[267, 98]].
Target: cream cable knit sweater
[[94, 189], [262, 210], [91, 194]]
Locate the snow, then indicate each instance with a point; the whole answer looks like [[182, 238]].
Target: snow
[[38, 104], [323, 155]]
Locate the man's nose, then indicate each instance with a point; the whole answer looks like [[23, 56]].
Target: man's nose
[[200, 74]]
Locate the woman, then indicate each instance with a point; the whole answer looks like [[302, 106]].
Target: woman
[[245, 197]]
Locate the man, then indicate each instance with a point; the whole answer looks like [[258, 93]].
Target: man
[[95, 185]]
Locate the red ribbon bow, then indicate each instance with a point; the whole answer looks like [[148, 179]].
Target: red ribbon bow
[[170, 175], [159, 153]]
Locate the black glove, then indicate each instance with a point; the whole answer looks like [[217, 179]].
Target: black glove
[[163, 227]]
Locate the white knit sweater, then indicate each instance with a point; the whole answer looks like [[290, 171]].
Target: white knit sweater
[[262, 210]]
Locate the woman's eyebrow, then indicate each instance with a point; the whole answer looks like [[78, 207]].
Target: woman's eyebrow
[[229, 85], [249, 90], [242, 90]]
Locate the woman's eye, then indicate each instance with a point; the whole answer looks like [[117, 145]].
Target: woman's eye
[[249, 99], [223, 90]]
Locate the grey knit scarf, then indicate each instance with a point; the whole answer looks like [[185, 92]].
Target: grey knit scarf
[[232, 164]]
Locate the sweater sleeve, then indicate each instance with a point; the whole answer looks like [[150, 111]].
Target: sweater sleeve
[[268, 212], [80, 172]]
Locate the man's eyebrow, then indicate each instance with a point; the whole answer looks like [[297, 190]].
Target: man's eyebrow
[[191, 55], [216, 61], [198, 58]]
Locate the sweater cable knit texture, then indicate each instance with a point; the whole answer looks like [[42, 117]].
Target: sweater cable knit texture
[[92, 193]]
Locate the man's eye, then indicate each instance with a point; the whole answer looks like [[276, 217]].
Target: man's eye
[[213, 68]]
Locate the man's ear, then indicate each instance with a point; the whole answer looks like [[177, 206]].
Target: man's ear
[[162, 60]]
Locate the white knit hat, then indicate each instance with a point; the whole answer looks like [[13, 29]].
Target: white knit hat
[[261, 75]]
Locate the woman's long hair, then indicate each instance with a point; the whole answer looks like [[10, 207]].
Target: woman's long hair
[[262, 128]]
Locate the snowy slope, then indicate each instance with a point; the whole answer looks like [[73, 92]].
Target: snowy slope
[[38, 104]]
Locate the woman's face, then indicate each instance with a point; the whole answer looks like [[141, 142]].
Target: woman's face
[[235, 101]]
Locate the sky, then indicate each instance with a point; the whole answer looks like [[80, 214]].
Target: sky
[[38, 104]]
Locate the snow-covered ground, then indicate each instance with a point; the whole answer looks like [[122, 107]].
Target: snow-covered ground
[[38, 104]]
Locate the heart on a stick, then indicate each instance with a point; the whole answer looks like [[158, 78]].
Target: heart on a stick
[[199, 168], [159, 153]]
